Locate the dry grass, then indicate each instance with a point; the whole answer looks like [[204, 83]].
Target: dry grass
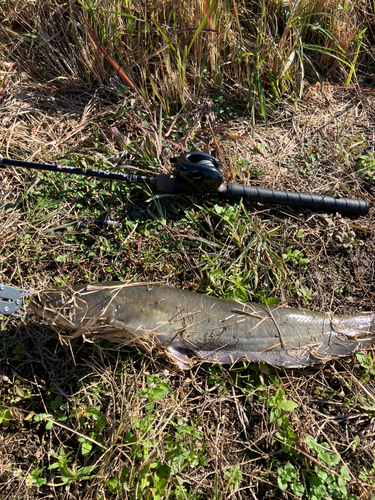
[[249, 47], [59, 100]]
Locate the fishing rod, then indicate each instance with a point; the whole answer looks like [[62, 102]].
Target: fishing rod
[[197, 172]]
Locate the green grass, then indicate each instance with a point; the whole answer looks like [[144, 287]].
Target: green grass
[[128, 430], [100, 422]]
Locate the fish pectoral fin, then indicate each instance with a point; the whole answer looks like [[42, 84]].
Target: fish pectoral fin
[[180, 357]]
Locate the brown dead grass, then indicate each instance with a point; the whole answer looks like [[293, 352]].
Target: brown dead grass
[[234, 425]]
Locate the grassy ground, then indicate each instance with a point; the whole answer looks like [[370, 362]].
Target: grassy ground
[[283, 93]]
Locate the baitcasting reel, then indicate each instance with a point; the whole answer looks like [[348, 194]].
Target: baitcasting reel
[[203, 171]]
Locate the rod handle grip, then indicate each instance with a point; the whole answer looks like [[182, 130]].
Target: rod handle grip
[[313, 201]]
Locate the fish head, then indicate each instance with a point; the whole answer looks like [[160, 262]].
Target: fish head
[[60, 307]]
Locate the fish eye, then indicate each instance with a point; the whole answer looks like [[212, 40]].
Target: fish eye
[[61, 303]]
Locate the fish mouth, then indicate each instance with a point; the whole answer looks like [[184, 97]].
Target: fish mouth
[[57, 307], [50, 315]]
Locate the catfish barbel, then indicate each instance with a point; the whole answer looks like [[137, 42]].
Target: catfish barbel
[[186, 323]]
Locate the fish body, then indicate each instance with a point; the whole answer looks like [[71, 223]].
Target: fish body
[[212, 329]]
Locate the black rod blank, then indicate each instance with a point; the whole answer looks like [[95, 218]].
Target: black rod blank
[[64, 169]]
